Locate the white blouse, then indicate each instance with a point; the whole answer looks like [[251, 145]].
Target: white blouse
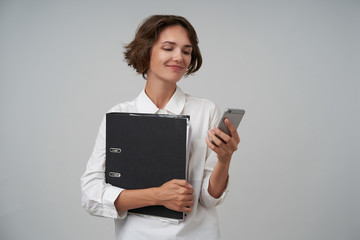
[[202, 223]]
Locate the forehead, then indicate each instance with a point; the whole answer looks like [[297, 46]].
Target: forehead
[[176, 34]]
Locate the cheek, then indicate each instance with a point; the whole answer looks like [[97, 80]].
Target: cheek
[[188, 61], [161, 58], [154, 62]]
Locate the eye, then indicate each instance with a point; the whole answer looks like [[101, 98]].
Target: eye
[[187, 52], [168, 49]]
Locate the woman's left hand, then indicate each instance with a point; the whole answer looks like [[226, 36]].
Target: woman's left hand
[[222, 144]]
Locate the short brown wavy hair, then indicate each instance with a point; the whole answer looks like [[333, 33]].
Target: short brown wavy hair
[[137, 53]]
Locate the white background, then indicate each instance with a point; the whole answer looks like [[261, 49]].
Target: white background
[[293, 65]]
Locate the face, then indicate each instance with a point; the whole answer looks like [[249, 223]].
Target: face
[[170, 55]]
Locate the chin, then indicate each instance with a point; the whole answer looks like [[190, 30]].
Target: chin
[[173, 79]]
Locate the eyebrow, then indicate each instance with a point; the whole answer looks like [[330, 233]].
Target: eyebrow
[[173, 43]]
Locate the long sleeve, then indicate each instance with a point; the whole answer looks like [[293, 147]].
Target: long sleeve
[[97, 196], [211, 159]]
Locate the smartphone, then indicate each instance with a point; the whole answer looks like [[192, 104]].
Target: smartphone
[[234, 115]]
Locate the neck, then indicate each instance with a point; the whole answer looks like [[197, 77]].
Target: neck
[[160, 93]]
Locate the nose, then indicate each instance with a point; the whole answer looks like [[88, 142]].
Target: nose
[[177, 55]]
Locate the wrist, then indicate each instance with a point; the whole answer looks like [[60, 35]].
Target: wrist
[[155, 196], [224, 162]]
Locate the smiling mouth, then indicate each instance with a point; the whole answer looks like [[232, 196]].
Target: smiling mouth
[[175, 68]]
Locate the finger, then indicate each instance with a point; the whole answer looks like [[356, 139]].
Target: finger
[[212, 141], [226, 138], [185, 191], [215, 139], [229, 125], [186, 198], [232, 130], [230, 142], [189, 204], [186, 210], [183, 206], [234, 144], [212, 146], [183, 183]]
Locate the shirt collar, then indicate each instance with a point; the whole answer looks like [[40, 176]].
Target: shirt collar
[[175, 105]]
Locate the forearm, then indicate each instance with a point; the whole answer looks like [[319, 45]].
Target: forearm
[[224, 146], [218, 179], [130, 199], [175, 194]]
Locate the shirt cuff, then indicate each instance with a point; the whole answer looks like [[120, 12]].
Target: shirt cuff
[[210, 201], [110, 195]]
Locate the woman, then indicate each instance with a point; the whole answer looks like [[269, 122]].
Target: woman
[[165, 49]]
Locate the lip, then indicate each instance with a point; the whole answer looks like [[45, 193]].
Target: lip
[[175, 67]]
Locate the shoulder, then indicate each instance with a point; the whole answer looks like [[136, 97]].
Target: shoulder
[[202, 103], [202, 108], [123, 107]]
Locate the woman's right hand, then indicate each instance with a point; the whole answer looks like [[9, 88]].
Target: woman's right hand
[[176, 195]]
